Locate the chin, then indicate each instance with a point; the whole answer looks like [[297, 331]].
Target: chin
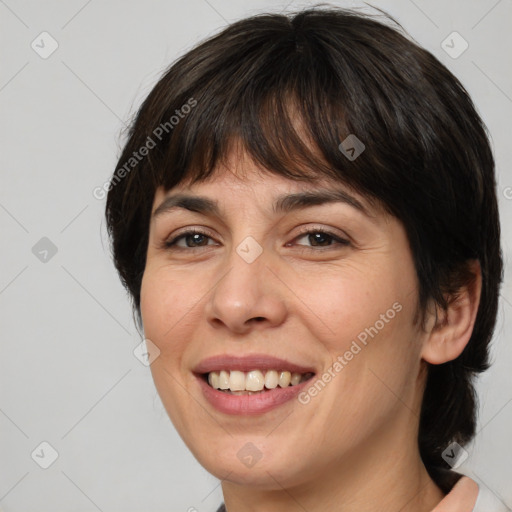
[[264, 468]]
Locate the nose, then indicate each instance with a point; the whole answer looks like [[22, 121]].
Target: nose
[[248, 296]]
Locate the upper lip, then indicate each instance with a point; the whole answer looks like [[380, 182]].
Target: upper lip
[[248, 363]]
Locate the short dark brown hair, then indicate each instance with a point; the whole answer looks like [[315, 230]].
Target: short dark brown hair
[[427, 159]]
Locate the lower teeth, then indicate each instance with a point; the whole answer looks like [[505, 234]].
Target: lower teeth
[[242, 392]]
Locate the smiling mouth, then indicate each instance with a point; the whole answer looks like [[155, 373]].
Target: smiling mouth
[[237, 382]]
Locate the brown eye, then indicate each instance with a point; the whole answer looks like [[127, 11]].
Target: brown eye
[[197, 239], [188, 239], [320, 238]]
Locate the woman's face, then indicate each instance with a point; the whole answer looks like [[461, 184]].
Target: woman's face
[[322, 285]]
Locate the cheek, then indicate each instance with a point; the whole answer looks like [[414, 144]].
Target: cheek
[[166, 308], [364, 321], [167, 314], [343, 304]]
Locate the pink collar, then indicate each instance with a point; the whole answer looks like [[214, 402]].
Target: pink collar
[[461, 498]]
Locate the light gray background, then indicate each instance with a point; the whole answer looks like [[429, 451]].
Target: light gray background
[[68, 375]]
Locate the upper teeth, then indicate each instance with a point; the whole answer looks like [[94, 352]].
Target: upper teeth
[[254, 380]]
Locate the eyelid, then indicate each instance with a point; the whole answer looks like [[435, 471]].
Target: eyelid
[[321, 229], [335, 233], [191, 230]]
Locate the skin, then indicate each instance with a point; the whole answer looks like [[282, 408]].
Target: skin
[[353, 446]]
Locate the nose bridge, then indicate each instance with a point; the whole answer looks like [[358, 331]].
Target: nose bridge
[[246, 293]]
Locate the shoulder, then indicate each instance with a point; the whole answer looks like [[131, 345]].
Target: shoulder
[[468, 496], [461, 497]]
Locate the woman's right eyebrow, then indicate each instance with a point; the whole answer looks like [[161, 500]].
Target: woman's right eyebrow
[[284, 204]]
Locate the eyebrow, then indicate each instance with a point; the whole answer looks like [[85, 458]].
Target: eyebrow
[[283, 204]]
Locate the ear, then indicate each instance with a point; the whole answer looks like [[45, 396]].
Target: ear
[[453, 328]]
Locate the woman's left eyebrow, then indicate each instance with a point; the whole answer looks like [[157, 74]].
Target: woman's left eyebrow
[[291, 202], [283, 204]]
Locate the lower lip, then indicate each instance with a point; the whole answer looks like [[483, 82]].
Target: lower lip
[[250, 404]]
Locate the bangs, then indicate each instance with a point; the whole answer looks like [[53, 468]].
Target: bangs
[[273, 123], [289, 118]]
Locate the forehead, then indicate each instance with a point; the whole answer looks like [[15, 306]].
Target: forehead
[[228, 189], [243, 180], [239, 174]]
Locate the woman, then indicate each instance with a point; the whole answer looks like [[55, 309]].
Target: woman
[[305, 217]]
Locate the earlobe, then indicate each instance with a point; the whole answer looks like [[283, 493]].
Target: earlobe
[[453, 328]]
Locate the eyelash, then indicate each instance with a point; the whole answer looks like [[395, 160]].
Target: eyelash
[[171, 244]]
